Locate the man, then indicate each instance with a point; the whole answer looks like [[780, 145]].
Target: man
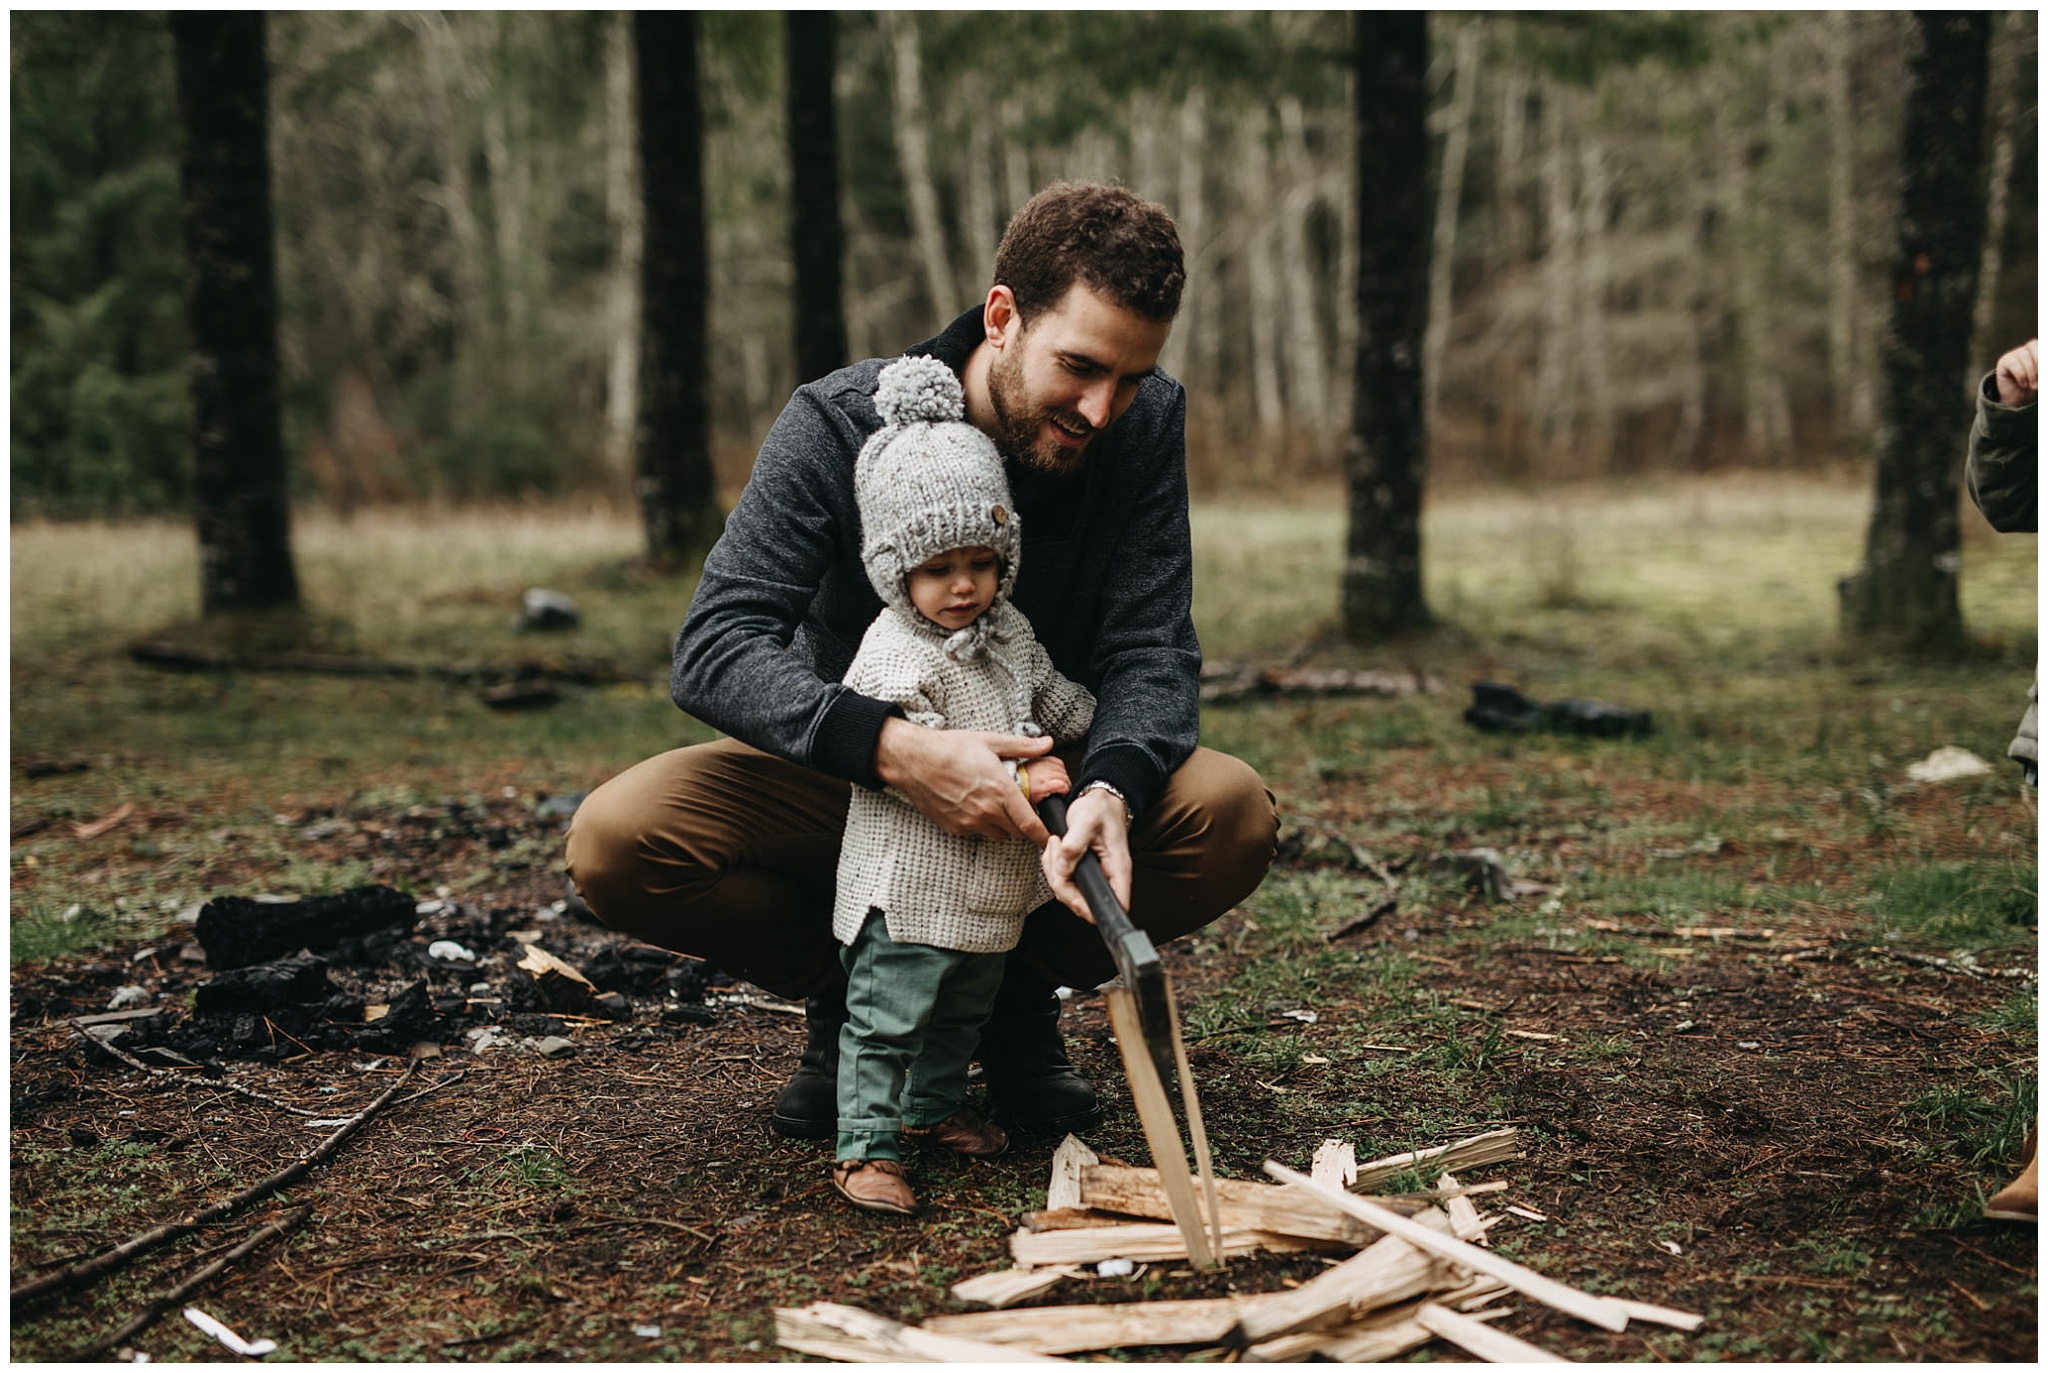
[[728, 850], [2003, 472]]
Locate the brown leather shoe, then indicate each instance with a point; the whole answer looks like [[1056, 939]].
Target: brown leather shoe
[[2021, 1200], [874, 1184], [963, 1132]]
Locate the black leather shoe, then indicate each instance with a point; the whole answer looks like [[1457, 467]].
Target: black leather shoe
[[807, 1106], [1032, 1087]]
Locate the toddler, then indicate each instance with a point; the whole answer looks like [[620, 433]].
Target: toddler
[[926, 916]]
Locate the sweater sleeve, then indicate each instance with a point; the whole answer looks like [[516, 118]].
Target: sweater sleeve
[[1146, 661], [2003, 466], [1062, 708], [732, 667]]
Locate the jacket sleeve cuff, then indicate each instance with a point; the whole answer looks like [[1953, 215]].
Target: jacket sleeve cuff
[[1130, 772], [845, 743]]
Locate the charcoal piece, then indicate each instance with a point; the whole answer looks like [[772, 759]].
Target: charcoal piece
[[613, 1006], [236, 932], [689, 1015], [282, 982], [409, 1020], [1500, 709]]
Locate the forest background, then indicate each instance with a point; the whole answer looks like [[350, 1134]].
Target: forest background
[[1661, 244]]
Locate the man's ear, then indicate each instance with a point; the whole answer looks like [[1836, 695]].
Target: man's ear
[[1000, 320]]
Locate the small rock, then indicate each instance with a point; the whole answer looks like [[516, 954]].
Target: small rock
[[1948, 764], [1116, 1268], [484, 1037], [613, 1006], [450, 950], [127, 998], [554, 1046]]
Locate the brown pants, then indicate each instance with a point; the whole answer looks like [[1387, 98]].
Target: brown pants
[[732, 854]]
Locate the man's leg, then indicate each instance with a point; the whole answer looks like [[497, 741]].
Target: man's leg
[[1205, 846], [731, 854], [722, 851]]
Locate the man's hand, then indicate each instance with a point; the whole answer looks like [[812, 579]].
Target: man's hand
[[956, 778], [2018, 374], [1095, 822]]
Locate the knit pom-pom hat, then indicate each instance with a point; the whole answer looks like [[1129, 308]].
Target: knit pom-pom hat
[[929, 481]]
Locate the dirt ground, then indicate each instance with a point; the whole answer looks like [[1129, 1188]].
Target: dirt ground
[[1739, 1150]]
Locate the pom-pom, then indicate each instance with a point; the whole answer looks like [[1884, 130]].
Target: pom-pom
[[919, 390]]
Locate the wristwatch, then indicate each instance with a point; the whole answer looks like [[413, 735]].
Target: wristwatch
[[1099, 785]]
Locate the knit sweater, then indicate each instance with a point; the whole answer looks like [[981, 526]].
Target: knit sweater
[[955, 891], [1107, 578]]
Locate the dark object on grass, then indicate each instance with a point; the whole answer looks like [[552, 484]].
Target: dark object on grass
[[236, 932], [541, 608], [1497, 708], [406, 1021], [529, 694], [261, 987]]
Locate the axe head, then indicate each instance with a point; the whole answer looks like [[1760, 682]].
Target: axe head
[[1137, 963]]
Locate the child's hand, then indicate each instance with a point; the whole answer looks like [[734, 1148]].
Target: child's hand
[[1043, 777]]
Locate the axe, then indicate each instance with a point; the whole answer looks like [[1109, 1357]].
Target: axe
[[1142, 1007]]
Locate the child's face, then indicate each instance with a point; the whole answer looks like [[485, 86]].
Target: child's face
[[956, 586]]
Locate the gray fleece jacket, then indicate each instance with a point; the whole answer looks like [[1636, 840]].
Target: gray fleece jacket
[[1107, 578]]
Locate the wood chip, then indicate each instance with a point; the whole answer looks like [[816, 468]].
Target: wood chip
[[1072, 1329], [1063, 1188], [1391, 1270], [1008, 1286], [1660, 1315], [107, 822], [1335, 1162], [1495, 1146], [851, 1335]]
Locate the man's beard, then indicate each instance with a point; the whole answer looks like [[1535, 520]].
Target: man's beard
[[1019, 424]]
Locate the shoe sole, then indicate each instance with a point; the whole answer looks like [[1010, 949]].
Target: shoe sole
[[866, 1204], [2025, 1217]]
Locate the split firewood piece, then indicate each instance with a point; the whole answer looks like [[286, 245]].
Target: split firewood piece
[[1245, 1205], [1155, 1114], [1063, 1188], [1495, 1146], [1661, 1315], [1376, 1338], [1335, 1162], [1608, 1315], [562, 987], [1117, 1325], [1074, 1218], [1198, 1135], [1390, 1270], [1465, 1222], [1479, 1339], [1039, 1248], [851, 1335], [1008, 1286]]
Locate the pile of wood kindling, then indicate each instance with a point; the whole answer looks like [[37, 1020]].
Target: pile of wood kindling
[[1418, 1272]]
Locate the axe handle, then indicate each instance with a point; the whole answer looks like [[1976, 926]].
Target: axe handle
[[1110, 916]]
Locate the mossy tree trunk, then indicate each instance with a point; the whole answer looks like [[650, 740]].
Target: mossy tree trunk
[[241, 500], [678, 503], [1385, 460], [1906, 589]]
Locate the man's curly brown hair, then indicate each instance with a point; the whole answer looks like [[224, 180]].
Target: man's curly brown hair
[[1115, 242]]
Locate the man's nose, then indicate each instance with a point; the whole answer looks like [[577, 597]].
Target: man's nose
[[1097, 402]]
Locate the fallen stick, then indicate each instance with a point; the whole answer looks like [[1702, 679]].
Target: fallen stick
[[1479, 1339], [1661, 1315], [211, 1084], [86, 1269], [1495, 1146], [154, 1311], [1608, 1315], [851, 1335]]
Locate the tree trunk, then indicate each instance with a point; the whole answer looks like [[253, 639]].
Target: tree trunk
[[2003, 103], [816, 236], [913, 160], [678, 506], [1191, 347], [1443, 248], [1907, 585], [1595, 264], [1308, 357], [1262, 283], [623, 219], [1556, 414], [1851, 388], [1386, 459], [241, 498]]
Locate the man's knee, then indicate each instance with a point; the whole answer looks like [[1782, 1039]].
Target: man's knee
[[1219, 825]]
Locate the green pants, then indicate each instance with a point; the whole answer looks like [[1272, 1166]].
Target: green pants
[[913, 1015]]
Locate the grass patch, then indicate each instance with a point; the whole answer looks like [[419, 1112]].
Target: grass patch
[[1963, 904], [1983, 1119]]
